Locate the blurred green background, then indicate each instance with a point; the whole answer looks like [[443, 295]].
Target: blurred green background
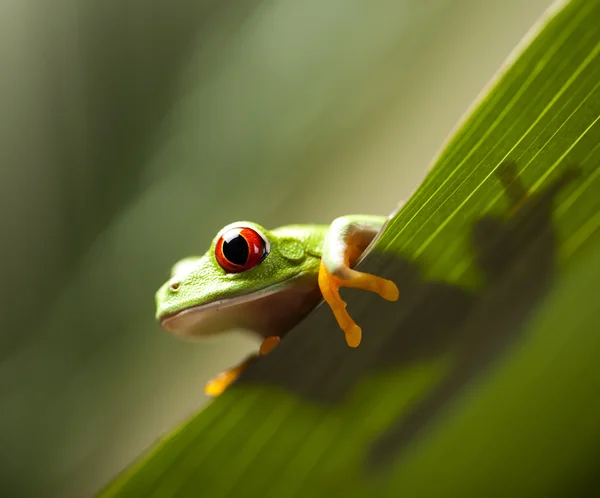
[[132, 131]]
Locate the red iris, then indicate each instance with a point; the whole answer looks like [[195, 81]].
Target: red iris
[[240, 249]]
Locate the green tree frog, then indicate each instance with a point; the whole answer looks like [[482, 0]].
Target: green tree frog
[[266, 281]]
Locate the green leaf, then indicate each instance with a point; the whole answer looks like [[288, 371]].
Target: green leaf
[[482, 379]]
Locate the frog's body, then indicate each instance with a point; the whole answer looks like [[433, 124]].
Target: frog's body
[[266, 281]]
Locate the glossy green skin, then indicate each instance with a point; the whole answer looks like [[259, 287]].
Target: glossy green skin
[[294, 258]]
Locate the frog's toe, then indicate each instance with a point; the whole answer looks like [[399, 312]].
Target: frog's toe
[[353, 335], [269, 344], [388, 290], [329, 285], [217, 386], [372, 283], [221, 382]]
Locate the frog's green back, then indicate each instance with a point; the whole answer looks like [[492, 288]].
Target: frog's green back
[[311, 237]]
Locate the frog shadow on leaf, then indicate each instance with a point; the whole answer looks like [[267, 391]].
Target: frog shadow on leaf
[[517, 258]]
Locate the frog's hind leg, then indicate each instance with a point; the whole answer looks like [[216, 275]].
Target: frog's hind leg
[[346, 241], [269, 344], [217, 386]]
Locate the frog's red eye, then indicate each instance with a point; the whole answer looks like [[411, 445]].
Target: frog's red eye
[[239, 249]]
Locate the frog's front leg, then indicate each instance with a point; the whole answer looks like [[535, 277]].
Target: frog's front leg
[[216, 386], [346, 240]]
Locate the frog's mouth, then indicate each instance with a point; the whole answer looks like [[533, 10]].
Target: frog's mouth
[[267, 311]]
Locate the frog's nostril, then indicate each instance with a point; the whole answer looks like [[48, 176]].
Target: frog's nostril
[[175, 286]]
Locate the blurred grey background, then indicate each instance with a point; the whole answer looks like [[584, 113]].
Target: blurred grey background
[[131, 132]]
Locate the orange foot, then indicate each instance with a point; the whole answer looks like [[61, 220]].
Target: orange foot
[[330, 284], [217, 386]]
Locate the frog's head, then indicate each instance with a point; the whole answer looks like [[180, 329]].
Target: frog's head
[[247, 276]]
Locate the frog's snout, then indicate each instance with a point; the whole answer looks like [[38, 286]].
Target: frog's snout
[[165, 296]]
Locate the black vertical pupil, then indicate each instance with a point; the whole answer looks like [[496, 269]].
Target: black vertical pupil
[[235, 248]]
